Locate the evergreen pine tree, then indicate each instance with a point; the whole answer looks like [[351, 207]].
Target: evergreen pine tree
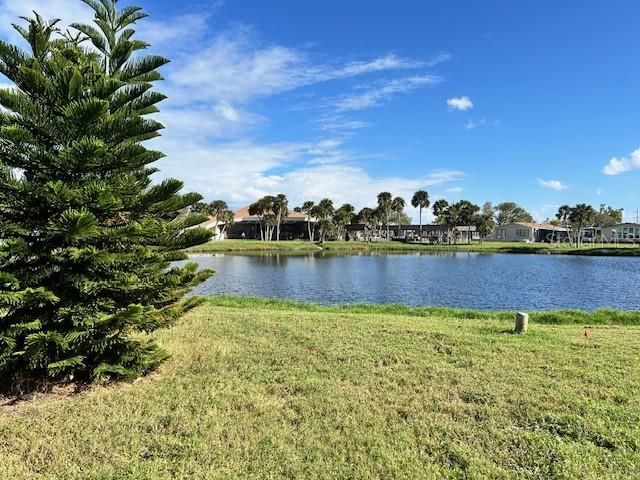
[[85, 236]]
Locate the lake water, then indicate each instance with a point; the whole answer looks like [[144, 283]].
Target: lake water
[[469, 280]]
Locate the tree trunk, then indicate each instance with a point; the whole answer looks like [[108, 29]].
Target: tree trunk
[[420, 233]]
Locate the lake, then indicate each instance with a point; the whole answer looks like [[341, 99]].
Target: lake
[[469, 280]]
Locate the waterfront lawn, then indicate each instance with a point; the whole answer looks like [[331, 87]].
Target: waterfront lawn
[[255, 246], [286, 391], [488, 247], [385, 246]]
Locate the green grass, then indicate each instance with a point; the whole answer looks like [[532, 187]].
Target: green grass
[[487, 247], [298, 246], [551, 317], [255, 246], [280, 390]]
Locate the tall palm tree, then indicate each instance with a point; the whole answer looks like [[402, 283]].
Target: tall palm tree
[[263, 209], [420, 200], [397, 206], [343, 217], [227, 218], [217, 208], [384, 205], [365, 216], [323, 212], [307, 208], [281, 210], [564, 212], [581, 216]]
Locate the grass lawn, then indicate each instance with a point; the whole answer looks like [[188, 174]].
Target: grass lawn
[[488, 247], [255, 246], [279, 390], [345, 247]]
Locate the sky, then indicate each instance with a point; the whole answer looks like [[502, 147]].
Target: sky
[[536, 102]]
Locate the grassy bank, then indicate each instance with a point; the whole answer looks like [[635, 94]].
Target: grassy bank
[[487, 247], [255, 246], [354, 247], [550, 317], [280, 390]]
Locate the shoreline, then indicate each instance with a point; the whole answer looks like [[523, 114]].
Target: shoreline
[[299, 246], [603, 316]]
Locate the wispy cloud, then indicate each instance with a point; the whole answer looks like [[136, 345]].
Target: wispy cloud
[[236, 66], [172, 32], [460, 103], [483, 122], [616, 166], [340, 123], [552, 184], [382, 92], [211, 133]]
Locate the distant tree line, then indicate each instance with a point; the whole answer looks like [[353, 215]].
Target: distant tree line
[[330, 222]]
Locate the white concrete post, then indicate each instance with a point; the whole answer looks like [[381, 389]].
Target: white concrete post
[[522, 322]]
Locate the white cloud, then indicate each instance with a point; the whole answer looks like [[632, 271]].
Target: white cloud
[[438, 58], [173, 31], [236, 66], [335, 122], [455, 190], [68, 10], [616, 166], [208, 112], [552, 184], [243, 171], [382, 92], [460, 103]]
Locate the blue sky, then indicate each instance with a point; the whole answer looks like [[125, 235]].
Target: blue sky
[[531, 101]]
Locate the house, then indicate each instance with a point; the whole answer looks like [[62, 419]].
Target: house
[[215, 226], [623, 232], [529, 232], [293, 227], [432, 233]]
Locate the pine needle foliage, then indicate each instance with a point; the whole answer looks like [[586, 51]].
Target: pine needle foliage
[[86, 238]]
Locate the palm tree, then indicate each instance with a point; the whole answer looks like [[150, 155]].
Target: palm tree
[[485, 221], [465, 214], [564, 212], [365, 217], [217, 208], [307, 208], [343, 217], [384, 205], [397, 206], [442, 211], [420, 200], [227, 218], [323, 212], [581, 216], [281, 210], [263, 209]]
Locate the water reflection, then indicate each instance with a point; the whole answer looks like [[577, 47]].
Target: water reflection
[[460, 279]]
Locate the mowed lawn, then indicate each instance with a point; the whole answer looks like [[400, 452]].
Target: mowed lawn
[[300, 246], [284, 392]]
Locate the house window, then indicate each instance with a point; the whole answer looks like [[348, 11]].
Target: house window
[[523, 233], [501, 233]]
